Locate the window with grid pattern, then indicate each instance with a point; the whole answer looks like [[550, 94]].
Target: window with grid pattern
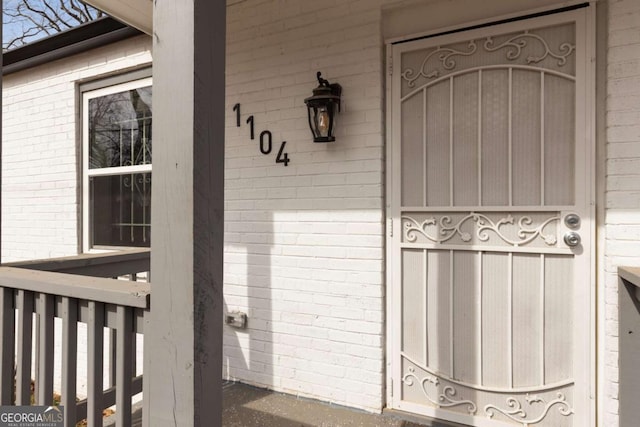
[[117, 142]]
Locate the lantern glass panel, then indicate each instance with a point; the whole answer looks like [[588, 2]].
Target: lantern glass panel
[[323, 121], [333, 109]]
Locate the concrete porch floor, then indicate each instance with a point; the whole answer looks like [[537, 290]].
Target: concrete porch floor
[[246, 406]]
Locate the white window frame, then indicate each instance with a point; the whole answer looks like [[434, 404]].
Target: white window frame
[[87, 173]]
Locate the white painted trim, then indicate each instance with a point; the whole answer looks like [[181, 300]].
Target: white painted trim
[[488, 21], [394, 193], [86, 172], [590, 93], [119, 170], [585, 129], [120, 87], [388, 230], [85, 178], [600, 17]]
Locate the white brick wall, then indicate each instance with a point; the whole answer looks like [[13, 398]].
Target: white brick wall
[[304, 243], [622, 199], [39, 165]]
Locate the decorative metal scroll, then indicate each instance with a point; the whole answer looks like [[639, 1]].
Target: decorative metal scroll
[[516, 43], [514, 47], [447, 230], [445, 56], [445, 399], [515, 411]]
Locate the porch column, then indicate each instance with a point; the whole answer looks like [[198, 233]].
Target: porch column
[[1, 66], [183, 338]]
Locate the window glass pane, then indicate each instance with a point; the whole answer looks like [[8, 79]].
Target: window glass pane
[[120, 129], [120, 210]]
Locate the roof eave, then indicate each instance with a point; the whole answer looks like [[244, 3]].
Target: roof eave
[[135, 13], [76, 40]]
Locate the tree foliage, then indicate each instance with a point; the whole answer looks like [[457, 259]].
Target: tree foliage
[[28, 20]]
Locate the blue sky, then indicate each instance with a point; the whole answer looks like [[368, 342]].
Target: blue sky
[[8, 30], [16, 26]]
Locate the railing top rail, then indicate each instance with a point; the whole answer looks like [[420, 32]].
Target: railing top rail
[[112, 291], [110, 264]]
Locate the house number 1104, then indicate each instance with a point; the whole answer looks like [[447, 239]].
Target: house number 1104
[[266, 138]]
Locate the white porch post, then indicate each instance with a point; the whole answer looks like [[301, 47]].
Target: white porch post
[[183, 339]]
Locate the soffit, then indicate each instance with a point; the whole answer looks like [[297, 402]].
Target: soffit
[[136, 13]]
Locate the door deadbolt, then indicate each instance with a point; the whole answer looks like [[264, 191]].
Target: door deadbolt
[[572, 239], [572, 221]]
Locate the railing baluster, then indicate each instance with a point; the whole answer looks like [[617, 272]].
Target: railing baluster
[[112, 358], [95, 354], [133, 278], [124, 365], [7, 345], [36, 350], [25, 339], [134, 351], [69, 359], [30, 301], [45, 350]]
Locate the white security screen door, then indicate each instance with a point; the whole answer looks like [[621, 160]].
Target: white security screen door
[[490, 202]]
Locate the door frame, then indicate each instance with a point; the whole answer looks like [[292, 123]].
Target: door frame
[[392, 225]]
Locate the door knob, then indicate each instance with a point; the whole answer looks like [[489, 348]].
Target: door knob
[[572, 220], [572, 239]]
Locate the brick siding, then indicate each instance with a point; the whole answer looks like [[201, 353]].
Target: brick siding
[[304, 243], [40, 146], [622, 198]]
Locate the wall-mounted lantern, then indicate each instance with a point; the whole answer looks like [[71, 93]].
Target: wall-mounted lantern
[[322, 107]]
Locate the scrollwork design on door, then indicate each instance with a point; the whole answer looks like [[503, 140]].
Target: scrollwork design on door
[[443, 54], [445, 399], [446, 229], [515, 412], [516, 44]]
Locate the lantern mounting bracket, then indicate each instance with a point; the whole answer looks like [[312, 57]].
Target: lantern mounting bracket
[[336, 89]]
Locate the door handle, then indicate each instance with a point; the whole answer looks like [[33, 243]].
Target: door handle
[[572, 221], [572, 239]]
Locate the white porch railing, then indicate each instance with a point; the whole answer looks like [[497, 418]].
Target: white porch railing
[[119, 305]]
